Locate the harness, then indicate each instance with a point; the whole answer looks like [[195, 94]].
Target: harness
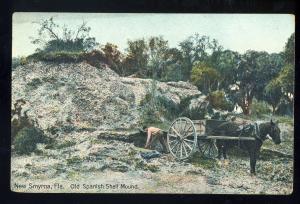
[[257, 132], [248, 127]]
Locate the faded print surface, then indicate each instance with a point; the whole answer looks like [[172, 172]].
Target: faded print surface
[[84, 85]]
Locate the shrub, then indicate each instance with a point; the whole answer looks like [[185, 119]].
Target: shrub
[[54, 37], [94, 58], [26, 140], [196, 113], [218, 100], [259, 108], [152, 109], [169, 109], [59, 57]]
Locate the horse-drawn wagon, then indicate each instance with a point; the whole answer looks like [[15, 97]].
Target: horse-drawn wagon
[[185, 135]]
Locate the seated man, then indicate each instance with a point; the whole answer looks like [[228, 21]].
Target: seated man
[[152, 134]]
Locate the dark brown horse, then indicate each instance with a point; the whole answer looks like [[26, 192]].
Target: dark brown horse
[[258, 131]]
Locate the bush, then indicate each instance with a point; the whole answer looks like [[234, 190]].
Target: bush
[[168, 108], [26, 140], [259, 108], [155, 107], [54, 37], [59, 57], [94, 58], [196, 114], [218, 101]]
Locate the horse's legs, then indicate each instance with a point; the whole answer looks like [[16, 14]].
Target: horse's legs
[[252, 155], [219, 146], [224, 152]]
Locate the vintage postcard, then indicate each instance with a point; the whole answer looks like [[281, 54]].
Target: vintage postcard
[[152, 103]]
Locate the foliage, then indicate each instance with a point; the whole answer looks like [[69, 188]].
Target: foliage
[[94, 58], [114, 58], [58, 57], [27, 138], [173, 70], [137, 57], [151, 109], [289, 50], [205, 77], [194, 113], [253, 73], [273, 93], [53, 37], [218, 100], [157, 51], [286, 79], [285, 107], [199, 59], [225, 62], [196, 49], [260, 108]]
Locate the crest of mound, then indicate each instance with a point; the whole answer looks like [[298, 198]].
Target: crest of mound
[[67, 97]]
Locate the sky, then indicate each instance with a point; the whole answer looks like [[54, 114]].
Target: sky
[[237, 32]]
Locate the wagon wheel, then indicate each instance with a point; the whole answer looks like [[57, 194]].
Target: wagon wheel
[[208, 148], [182, 138]]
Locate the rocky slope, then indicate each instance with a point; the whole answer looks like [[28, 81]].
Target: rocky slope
[[80, 96]]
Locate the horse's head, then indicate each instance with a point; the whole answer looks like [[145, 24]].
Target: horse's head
[[274, 132]]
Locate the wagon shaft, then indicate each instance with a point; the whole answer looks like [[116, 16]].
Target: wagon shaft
[[227, 137]]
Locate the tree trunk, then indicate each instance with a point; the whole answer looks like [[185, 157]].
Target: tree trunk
[[246, 105], [274, 109]]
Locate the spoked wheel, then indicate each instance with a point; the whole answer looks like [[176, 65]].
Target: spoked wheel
[[208, 148], [182, 138]]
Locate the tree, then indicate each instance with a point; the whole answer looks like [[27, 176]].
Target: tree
[[253, 73], [173, 65], [287, 74], [157, 50], [52, 37], [196, 49], [186, 48], [289, 50], [205, 77], [137, 58], [273, 93], [114, 58], [225, 62], [287, 81]]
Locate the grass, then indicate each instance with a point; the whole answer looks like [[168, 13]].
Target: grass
[[199, 161], [285, 119]]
